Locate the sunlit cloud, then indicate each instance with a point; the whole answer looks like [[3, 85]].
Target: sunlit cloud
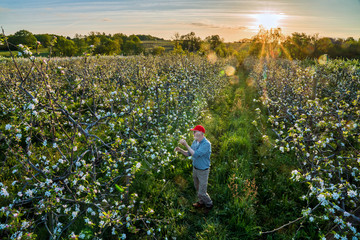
[[231, 19], [217, 26]]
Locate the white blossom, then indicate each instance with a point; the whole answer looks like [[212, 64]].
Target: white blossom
[[31, 106], [352, 193], [4, 192], [29, 193], [25, 224], [335, 196]]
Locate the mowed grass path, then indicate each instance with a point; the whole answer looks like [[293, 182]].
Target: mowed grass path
[[232, 186], [229, 129]]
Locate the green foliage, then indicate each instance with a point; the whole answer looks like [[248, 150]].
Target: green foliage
[[272, 43], [245, 163], [132, 46], [314, 113], [107, 47], [178, 50], [143, 37], [44, 39], [81, 45], [103, 131], [22, 37], [190, 42], [158, 50], [64, 47], [214, 41], [89, 148]]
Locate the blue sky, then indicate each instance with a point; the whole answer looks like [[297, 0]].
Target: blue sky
[[232, 20]]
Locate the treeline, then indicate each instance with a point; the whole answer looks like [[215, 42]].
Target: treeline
[[192, 43], [302, 46], [266, 43], [114, 44], [95, 42]]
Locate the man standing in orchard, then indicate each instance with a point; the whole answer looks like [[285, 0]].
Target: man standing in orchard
[[200, 152]]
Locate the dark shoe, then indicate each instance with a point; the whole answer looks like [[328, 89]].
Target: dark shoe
[[207, 209], [198, 205]]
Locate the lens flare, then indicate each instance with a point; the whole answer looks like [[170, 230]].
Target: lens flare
[[268, 20], [323, 59], [211, 57], [229, 70]]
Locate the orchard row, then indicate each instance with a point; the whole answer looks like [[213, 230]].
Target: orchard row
[[74, 133], [314, 111]]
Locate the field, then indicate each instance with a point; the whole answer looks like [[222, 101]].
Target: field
[[167, 44], [147, 45], [87, 148], [42, 52]]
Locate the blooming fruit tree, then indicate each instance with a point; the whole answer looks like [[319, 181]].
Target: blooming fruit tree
[[74, 134], [314, 112]]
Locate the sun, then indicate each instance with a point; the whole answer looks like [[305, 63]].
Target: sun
[[268, 20]]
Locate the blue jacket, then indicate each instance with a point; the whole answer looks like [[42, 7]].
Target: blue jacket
[[202, 152]]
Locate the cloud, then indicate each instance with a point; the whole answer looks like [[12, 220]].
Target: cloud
[[4, 9], [198, 24], [106, 20]]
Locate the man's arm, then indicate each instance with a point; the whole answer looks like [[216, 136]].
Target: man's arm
[[182, 151], [202, 150], [190, 150]]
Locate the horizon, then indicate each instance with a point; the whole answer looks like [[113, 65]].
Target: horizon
[[165, 39], [231, 20]]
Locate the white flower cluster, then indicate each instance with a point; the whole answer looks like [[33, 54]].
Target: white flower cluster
[[24, 51], [315, 125], [139, 123], [3, 191]]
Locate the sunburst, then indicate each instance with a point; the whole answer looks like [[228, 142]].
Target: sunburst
[[268, 20]]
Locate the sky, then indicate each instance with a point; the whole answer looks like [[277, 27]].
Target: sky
[[233, 20]]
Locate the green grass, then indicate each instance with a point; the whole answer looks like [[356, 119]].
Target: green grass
[[248, 183], [43, 52], [5, 54], [149, 45]]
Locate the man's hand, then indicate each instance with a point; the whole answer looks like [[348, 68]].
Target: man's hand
[[183, 142], [180, 150]]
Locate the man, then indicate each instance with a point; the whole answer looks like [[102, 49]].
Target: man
[[200, 152]]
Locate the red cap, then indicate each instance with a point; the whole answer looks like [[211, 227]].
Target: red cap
[[198, 128]]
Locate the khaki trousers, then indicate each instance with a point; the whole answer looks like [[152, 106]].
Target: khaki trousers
[[200, 182]]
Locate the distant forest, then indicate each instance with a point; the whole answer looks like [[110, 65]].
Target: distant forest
[[270, 42]]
